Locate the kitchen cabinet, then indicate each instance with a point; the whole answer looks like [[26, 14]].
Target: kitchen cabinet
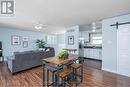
[[97, 54], [100, 54], [93, 53], [87, 53]]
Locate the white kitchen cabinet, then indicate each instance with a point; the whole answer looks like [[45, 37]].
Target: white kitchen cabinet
[[93, 53], [87, 53], [97, 54], [100, 54]]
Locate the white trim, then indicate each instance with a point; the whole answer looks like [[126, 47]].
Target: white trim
[[123, 74], [109, 70], [113, 71]]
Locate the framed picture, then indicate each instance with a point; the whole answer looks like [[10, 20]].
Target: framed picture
[[25, 41], [70, 40], [25, 44], [15, 40]]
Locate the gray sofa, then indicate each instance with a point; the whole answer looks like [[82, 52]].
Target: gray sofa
[[29, 59]]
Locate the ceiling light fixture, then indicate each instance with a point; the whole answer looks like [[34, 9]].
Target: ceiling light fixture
[[93, 26], [93, 30], [40, 26]]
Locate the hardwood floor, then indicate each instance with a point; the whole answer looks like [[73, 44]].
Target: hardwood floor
[[93, 63], [33, 78]]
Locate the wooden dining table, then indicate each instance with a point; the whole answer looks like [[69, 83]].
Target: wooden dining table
[[57, 63]]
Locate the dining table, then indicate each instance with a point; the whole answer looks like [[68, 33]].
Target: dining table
[[56, 63]]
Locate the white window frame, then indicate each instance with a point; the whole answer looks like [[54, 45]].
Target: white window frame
[[96, 39], [51, 39]]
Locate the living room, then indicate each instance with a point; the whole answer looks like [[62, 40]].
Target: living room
[[64, 43]]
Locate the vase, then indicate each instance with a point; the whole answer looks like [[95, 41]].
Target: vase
[[66, 56]]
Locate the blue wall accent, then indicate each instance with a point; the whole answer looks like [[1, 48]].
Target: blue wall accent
[[5, 37]]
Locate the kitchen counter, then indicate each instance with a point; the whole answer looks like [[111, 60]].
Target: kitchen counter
[[92, 52], [92, 47]]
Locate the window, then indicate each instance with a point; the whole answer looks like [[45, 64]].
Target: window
[[51, 39], [96, 39]]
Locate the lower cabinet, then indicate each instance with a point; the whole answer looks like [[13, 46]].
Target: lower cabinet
[[93, 53]]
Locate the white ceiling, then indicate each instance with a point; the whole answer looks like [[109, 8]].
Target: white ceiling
[[58, 14]]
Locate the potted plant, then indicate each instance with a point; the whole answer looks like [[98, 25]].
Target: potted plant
[[63, 55], [41, 44]]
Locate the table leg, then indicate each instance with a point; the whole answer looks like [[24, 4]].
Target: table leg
[[2, 58], [56, 77], [43, 75]]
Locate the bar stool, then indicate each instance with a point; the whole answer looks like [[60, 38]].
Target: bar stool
[[75, 67], [66, 77], [53, 72]]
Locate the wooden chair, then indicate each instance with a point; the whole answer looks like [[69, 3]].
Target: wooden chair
[[66, 77], [75, 67]]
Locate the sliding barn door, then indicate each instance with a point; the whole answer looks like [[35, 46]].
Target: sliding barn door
[[123, 49]]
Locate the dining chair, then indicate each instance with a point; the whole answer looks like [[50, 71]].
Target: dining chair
[[51, 76], [76, 67], [66, 78]]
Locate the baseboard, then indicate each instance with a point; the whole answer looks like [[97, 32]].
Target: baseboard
[[112, 71], [123, 74], [109, 70]]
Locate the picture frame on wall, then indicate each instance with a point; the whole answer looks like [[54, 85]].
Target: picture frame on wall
[[25, 44], [25, 41], [70, 40], [15, 40]]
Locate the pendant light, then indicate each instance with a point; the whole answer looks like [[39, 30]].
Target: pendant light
[[93, 26]]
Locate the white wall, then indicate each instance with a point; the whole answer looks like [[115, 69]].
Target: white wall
[[60, 42], [5, 37], [109, 46], [75, 33]]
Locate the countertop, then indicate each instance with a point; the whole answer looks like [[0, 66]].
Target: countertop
[[93, 47]]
